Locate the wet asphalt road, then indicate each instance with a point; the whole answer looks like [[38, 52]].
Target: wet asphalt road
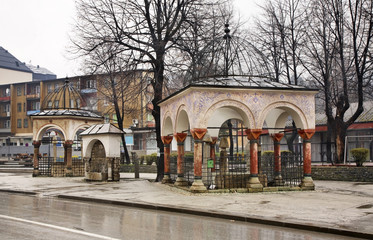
[[32, 217]]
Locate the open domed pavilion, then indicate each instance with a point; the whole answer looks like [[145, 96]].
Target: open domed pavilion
[[61, 112]]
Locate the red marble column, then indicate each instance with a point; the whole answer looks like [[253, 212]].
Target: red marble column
[[253, 135], [212, 151], [198, 134], [36, 144], [277, 155], [68, 157], [306, 135], [167, 150], [180, 138]]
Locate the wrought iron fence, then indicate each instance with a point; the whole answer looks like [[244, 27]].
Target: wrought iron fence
[[51, 168], [291, 170], [232, 172]]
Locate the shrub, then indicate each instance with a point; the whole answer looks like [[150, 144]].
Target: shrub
[[268, 153], [359, 155]]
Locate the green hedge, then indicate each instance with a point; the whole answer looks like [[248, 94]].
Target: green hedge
[[148, 159], [359, 155]]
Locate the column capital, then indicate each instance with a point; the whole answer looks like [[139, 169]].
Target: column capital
[[276, 137], [253, 134], [167, 139], [180, 137], [306, 134], [36, 143], [198, 133], [68, 143], [214, 140]]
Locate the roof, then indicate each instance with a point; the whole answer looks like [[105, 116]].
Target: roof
[[8, 61], [38, 69], [244, 82], [67, 112], [365, 116], [102, 129]]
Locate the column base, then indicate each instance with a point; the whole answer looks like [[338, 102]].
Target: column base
[[35, 172], [278, 181], [166, 179], [254, 185], [307, 183], [180, 181], [198, 187], [68, 172]]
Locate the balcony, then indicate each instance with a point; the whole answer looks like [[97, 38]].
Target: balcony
[[4, 130], [88, 90], [5, 99], [5, 115], [33, 95], [32, 112]]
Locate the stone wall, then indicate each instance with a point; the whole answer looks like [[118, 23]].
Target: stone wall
[[143, 168], [343, 173]]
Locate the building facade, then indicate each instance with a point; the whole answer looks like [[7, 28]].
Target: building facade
[[23, 88]]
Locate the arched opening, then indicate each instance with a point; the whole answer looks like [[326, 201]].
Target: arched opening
[[98, 150], [281, 161]]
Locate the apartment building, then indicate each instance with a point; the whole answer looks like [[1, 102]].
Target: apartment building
[[24, 87]]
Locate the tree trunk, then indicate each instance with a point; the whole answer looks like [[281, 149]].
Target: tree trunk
[[340, 134], [158, 90], [126, 154], [329, 132]]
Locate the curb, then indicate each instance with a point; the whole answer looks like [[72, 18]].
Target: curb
[[18, 191], [257, 220]]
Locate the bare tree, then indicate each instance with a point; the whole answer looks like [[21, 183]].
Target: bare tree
[[280, 36], [340, 39], [143, 31], [119, 85]]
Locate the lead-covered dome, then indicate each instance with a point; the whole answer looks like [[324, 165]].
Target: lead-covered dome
[[63, 98]]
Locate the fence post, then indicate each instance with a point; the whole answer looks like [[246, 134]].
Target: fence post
[[136, 163]]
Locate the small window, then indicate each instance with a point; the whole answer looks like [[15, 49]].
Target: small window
[[25, 123], [49, 87], [7, 124], [7, 92], [19, 123], [24, 107], [106, 118], [55, 86], [19, 107], [115, 119], [49, 104], [56, 103], [19, 91]]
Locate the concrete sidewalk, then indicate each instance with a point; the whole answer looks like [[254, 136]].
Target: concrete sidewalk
[[345, 208]]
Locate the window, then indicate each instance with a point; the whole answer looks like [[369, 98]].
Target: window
[[35, 106], [72, 103], [19, 91], [56, 103], [115, 119], [7, 108], [55, 86], [49, 103], [37, 90], [106, 118], [19, 123], [7, 92], [19, 107], [25, 123], [91, 84], [49, 87], [7, 124], [24, 107]]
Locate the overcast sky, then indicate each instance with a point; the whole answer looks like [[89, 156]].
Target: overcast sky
[[36, 31]]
